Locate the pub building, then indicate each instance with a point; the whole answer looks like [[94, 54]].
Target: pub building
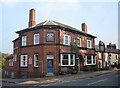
[[45, 48]]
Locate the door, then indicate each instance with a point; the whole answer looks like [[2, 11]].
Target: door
[[50, 67]]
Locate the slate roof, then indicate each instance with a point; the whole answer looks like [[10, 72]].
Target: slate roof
[[51, 22], [107, 50]]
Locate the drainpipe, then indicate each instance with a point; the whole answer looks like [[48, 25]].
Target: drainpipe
[[59, 48], [19, 54]]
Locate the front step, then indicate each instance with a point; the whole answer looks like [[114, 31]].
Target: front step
[[49, 74]]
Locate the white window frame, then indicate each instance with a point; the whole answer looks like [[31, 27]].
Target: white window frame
[[24, 40], [69, 39], [36, 60], [14, 57], [38, 40], [80, 42], [69, 59], [91, 61], [26, 61], [90, 43], [10, 62]]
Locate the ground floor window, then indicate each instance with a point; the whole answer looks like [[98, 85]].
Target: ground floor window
[[67, 59], [23, 61], [36, 60], [90, 60]]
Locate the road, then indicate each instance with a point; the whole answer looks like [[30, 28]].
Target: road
[[111, 79]]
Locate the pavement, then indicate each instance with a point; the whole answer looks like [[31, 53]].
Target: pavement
[[60, 78]]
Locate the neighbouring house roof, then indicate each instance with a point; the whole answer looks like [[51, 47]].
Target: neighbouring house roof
[[15, 39], [112, 50], [51, 22], [9, 57], [107, 50]]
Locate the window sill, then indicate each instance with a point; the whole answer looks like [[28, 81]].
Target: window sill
[[23, 66], [67, 44], [90, 64], [36, 43], [67, 65]]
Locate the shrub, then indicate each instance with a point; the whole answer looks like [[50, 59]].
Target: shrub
[[118, 67], [94, 68], [62, 73], [105, 68]]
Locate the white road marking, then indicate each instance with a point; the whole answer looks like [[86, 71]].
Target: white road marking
[[52, 84], [97, 81]]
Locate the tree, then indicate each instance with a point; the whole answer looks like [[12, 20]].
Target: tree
[[76, 49], [3, 60]]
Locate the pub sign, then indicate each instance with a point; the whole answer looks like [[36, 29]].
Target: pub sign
[[50, 36]]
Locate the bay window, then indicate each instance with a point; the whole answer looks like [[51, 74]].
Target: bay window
[[90, 60], [67, 59]]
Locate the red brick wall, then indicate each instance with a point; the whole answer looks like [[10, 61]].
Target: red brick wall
[[44, 50]]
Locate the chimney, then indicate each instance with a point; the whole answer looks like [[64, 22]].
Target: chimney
[[31, 18], [84, 27]]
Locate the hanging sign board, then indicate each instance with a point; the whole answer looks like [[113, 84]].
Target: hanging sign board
[[50, 36], [101, 46]]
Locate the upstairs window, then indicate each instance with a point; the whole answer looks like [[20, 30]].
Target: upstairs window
[[36, 60], [66, 39], [24, 40], [11, 62], [79, 42], [36, 38], [23, 61], [89, 44]]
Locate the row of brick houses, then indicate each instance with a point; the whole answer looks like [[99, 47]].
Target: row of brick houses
[[46, 48], [111, 56]]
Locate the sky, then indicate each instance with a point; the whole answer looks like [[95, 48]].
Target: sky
[[101, 18]]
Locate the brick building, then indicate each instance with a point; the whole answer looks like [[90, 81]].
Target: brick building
[[46, 48]]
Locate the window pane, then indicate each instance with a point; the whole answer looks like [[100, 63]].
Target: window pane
[[93, 59], [66, 39], [23, 60], [36, 60], [78, 42], [36, 41], [65, 60], [89, 60]]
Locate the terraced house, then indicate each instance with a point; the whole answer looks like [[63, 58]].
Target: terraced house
[[46, 48]]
